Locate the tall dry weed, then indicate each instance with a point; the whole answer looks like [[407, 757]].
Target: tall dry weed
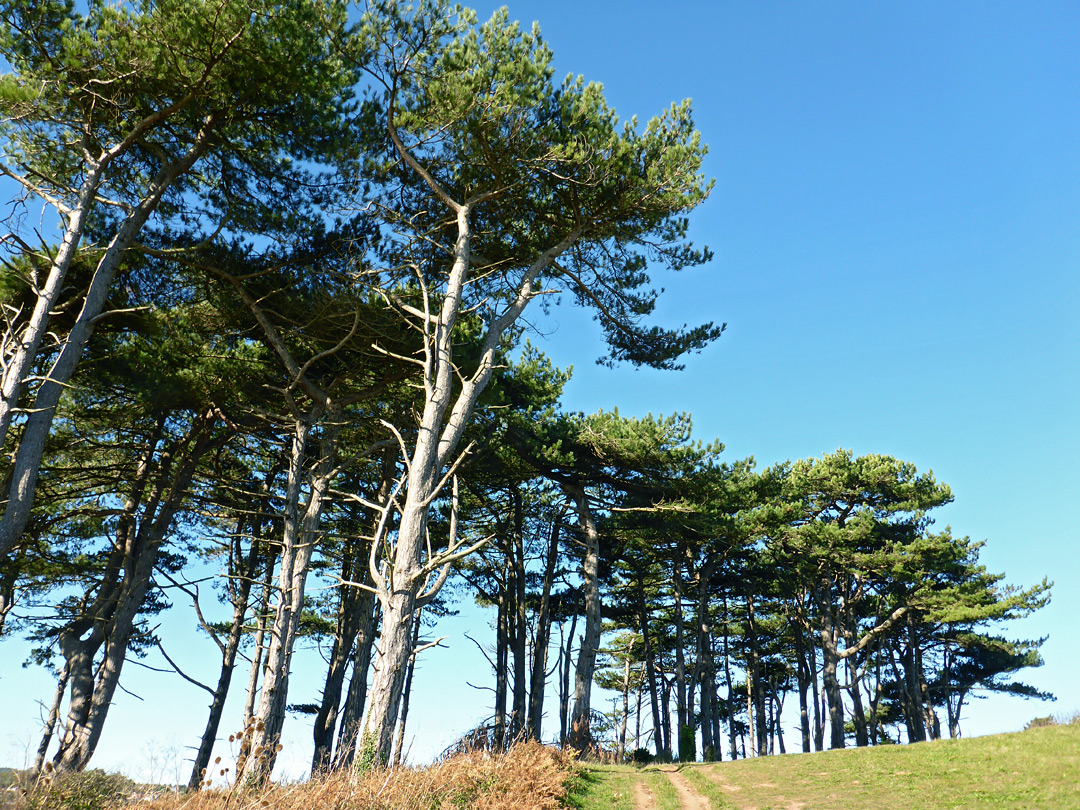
[[528, 777]]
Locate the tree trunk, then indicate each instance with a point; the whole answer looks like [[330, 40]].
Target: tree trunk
[[518, 621], [299, 537], [684, 735], [580, 717], [543, 632], [564, 684], [730, 683], [624, 718], [829, 635], [858, 713], [803, 676], [51, 720], [356, 697], [262, 620], [354, 611], [158, 492], [501, 686], [31, 445], [663, 750], [399, 747]]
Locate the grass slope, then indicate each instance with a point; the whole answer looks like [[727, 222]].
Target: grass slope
[[1032, 770]]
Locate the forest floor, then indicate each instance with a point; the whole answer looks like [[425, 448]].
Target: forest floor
[[1037, 769]]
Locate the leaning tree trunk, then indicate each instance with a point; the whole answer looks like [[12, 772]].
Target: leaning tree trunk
[[580, 734], [51, 720], [31, 446], [109, 624]]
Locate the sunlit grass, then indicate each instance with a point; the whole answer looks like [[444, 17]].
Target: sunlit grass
[[1034, 769], [1038, 769]]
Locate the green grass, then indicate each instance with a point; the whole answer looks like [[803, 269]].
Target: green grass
[[603, 787], [696, 776], [667, 798], [1037, 769]]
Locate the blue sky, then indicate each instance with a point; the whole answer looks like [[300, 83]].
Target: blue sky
[[896, 222]]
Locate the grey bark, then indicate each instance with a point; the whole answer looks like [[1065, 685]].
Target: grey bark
[[242, 578], [109, 621], [51, 720], [542, 639], [31, 445], [580, 733], [352, 712], [399, 746], [299, 538], [353, 628]]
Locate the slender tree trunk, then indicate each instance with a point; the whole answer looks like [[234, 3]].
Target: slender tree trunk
[[829, 635], [243, 576], [858, 713], [542, 640], [362, 606], [663, 750], [518, 622], [778, 725], [159, 490], [399, 747], [803, 676], [819, 713], [299, 538], [730, 683], [755, 687], [354, 613], [580, 718], [51, 720], [912, 693], [356, 697], [501, 685], [705, 666], [624, 718], [31, 445], [229, 649], [262, 621], [564, 684], [341, 651], [684, 732]]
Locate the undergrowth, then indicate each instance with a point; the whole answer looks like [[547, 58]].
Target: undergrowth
[[528, 777]]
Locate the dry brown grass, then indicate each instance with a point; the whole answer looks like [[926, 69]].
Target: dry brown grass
[[529, 777]]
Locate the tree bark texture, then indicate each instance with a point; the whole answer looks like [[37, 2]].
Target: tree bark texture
[[580, 733]]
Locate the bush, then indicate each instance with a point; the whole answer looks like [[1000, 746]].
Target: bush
[[641, 756], [89, 790], [528, 777], [1064, 719]]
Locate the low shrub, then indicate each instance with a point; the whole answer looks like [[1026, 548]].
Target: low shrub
[[528, 777], [89, 790]]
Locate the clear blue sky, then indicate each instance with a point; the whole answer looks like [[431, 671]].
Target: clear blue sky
[[896, 220]]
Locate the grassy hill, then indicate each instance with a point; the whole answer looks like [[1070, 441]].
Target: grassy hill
[[1037, 769]]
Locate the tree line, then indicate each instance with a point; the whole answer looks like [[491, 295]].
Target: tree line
[[282, 334]]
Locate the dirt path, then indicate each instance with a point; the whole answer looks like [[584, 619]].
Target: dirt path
[[690, 798], [643, 796]]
